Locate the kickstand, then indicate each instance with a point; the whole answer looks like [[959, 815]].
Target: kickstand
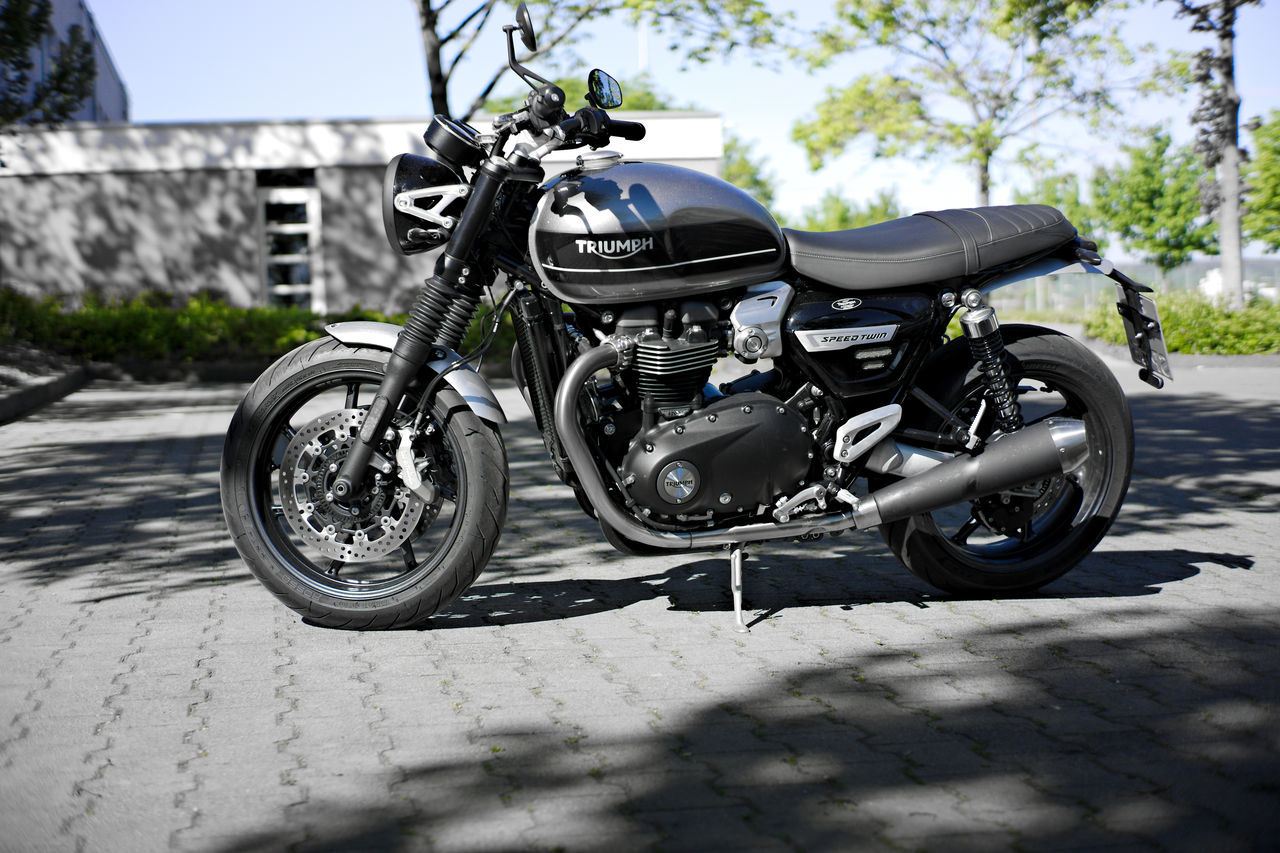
[[737, 555]]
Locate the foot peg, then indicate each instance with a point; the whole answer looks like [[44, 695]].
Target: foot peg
[[737, 556]]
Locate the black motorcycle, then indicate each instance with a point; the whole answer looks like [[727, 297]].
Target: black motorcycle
[[364, 477]]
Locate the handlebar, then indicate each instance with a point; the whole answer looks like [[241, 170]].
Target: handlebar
[[595, 128], [632, 130]]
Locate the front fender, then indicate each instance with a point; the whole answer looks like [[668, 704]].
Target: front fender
[[471, 386]]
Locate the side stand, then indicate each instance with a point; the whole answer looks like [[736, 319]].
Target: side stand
[[737, 555]]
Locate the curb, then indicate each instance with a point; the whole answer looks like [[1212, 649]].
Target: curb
[[18, 404], [21, 402]]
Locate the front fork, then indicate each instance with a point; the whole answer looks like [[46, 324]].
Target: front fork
[[440, 315]]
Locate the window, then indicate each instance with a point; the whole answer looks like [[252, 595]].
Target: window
[[289, 215]]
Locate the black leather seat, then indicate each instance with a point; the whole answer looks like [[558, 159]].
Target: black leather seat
[[928, 247]]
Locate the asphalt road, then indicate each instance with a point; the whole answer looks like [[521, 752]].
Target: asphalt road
[[153, 696]]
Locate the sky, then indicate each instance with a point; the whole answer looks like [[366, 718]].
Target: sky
[[327, 59]]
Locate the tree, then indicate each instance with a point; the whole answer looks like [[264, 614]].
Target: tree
[[746, 173], [834, 212], [701, 29], [1153, 204], [71, 74], [1262, 177], [638, 93], [965, 78], [1217, 119]]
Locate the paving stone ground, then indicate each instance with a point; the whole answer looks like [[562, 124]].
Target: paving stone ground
[[153, 696]]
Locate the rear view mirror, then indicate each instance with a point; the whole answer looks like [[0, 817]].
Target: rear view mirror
[[603, 91], [525, 23]]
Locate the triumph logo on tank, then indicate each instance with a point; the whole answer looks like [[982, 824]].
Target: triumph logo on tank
[[614, 250]]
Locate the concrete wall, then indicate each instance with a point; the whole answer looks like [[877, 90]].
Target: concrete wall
[[122, 210], [360, 265], [121, 234]]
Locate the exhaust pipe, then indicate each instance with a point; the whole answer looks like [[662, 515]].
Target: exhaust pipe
[[1057, 445], [1049, 447]]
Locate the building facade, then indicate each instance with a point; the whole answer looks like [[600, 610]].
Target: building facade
[[254, 213], [109, 101]]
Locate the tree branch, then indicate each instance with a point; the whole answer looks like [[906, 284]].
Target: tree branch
[[466, 46], [485, 8]]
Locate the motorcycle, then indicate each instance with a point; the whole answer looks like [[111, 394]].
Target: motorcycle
[[364, 478]]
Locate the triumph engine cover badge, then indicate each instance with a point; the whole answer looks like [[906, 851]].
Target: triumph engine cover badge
[[679, 481], [381, 520]]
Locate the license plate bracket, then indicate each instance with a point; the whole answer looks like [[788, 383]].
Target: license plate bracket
[[1142, 328]]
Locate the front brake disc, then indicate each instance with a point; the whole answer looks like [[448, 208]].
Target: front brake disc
[[381, 518]]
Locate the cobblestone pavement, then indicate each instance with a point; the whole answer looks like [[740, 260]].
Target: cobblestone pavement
[[154, 696]]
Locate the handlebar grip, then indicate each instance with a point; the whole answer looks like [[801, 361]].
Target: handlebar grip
[[632, 130]]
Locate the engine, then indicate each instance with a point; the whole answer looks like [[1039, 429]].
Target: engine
[[734, 455], [688, 452]]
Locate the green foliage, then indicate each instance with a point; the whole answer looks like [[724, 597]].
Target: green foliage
[[697, 30], [1153, 204], [68, 79], [204, 329], [1193, 324], [752, 175], [834, 212], [1262, 177], [966, 78], [638, 93]]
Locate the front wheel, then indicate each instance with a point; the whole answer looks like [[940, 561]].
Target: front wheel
[[1017, 541], [401, 549]]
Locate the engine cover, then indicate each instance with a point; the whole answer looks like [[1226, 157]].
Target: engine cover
[[731, 456]]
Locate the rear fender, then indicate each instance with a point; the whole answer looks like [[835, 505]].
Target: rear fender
[[1048, 266], [471, 386]]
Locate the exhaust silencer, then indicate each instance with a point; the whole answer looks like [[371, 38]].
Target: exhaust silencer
[[1056, 445]]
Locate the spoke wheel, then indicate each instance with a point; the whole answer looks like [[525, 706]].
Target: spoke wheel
[[386, 557], [1019, 540]]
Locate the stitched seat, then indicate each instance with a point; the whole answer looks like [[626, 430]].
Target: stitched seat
[[928, 247]]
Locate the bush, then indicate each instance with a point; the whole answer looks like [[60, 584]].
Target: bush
[[204, 329], [1195, 325]]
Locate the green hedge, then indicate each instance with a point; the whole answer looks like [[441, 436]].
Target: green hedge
[[204, 329], [1193, 324]]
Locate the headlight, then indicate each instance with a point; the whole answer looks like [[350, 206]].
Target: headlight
[[421, 200]]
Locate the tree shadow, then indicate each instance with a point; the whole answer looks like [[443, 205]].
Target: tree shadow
[[1072, 738], [142, 507]]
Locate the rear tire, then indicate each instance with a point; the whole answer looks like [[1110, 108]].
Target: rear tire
[[1006, 560], [454, 537]]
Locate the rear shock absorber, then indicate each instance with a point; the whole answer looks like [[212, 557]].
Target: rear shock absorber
[[982, 330]]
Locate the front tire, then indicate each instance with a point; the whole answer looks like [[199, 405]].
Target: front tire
[[988, 546], [442, 546]]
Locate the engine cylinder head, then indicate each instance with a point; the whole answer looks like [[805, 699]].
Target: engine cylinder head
[[672, 371]]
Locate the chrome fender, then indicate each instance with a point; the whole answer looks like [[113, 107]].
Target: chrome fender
[[471, 386]]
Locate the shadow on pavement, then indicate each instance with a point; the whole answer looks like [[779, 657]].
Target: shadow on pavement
[[867, 578], [145, 507], [1137, 740], [1227, 446]]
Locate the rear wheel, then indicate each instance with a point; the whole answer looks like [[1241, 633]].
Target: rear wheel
[[401, 549], [1021, 539]]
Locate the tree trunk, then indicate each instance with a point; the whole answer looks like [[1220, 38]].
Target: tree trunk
[[437, 80], [1229, 167], [984, 178]]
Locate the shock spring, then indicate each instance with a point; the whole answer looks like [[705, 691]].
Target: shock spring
[[982, 330]]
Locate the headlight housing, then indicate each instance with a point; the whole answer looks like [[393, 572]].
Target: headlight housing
[[421, 200]]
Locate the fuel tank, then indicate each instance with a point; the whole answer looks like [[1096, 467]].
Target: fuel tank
[[632, 232]]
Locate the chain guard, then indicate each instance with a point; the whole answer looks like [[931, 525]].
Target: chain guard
[[384, 516]]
